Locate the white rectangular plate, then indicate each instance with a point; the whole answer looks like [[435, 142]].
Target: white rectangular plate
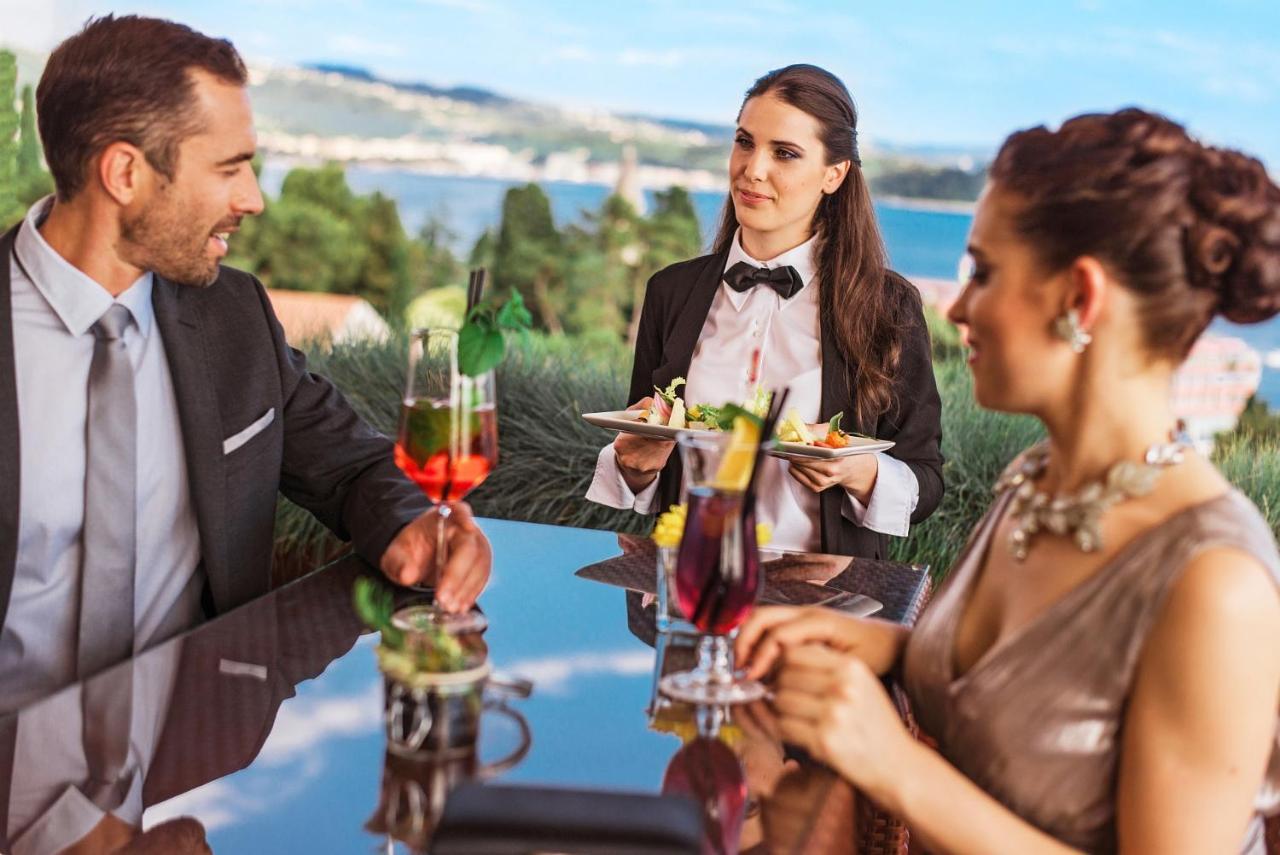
[[857, 445], [626, 421]]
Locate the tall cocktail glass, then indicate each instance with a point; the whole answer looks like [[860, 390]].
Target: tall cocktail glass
[[448, 438], [717, 566]]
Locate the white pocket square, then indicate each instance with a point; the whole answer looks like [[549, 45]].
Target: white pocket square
[[233, 442], [232, 668]]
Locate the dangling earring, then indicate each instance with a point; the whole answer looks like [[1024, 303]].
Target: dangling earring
[[1067, 328]]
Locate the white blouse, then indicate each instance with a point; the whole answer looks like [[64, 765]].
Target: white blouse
[[787, 335]]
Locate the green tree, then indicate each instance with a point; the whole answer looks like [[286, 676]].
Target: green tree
[[482, 251], [34, 181], [28, 138], [325, 186], [671, 234], [528, 256], [605, 255], [321, 236], [433, 261], [298, 245], [384, 278], [1257, 422], [10, 206]]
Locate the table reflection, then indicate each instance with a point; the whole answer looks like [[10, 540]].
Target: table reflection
[[180, 715], [264, 729], [756, 794]]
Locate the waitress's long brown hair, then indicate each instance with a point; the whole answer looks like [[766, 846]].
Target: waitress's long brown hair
[[861, 305]]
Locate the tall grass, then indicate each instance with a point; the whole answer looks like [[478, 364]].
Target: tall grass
[[977, 444], [548, 453]]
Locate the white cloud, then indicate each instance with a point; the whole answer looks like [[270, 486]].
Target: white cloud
[[221, 803], [368, 48], [575, 53], [216, 805], [305, 722]]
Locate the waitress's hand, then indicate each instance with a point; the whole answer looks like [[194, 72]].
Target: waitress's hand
[[641, 458], [856, 473]]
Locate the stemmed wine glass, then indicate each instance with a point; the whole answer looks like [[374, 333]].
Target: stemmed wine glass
[[448, 438], [717, 566]]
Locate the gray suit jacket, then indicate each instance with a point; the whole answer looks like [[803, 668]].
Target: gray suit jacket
[[230, 364]]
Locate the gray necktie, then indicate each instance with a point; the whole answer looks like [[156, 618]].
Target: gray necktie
[[109, 557], [110, 501]]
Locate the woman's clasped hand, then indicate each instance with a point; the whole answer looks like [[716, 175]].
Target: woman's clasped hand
[[828, 698]]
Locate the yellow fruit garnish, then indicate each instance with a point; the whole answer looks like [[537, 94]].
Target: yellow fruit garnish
[[670, 527], [735, 466], [678, 719]]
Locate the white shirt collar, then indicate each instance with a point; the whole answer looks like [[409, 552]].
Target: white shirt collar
[[799, 257], [75, 298]]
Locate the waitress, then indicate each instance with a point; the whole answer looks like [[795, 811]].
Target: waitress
[[796, 294]]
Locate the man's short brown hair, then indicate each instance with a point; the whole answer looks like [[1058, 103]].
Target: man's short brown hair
[[125, 79]]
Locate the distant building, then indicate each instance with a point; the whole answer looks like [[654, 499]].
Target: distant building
[[311, 317], [1210, 389], [628, 186], [1213, 385]]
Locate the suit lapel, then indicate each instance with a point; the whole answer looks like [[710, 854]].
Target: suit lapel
[[10, 460], [177, 314], [690, 318], [685, 321], [835, 398]]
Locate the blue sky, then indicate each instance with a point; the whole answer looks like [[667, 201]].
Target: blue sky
[[922, 71]]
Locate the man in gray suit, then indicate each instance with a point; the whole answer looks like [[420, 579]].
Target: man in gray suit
[[150, 407]]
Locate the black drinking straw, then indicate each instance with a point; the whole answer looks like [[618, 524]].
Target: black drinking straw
[[777, 402], [471, 293], [482, 279]]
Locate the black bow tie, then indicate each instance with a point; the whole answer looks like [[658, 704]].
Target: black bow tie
[[785, 280]]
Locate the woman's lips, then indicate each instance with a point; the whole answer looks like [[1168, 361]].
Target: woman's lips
[[749, 198]]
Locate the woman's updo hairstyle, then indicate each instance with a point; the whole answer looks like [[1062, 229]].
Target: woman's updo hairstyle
[[1193, 230]]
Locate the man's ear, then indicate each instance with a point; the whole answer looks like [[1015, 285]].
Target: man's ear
[[120, 172]]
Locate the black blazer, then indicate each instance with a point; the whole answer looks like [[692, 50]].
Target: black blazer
[[230, 364], [676, 305]]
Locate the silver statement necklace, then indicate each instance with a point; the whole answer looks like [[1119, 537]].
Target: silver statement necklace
[[1076, 515]]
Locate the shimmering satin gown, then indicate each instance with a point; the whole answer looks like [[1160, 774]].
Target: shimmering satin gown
[[1036, 722]]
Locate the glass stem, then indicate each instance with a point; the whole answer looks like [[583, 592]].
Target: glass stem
[[442, 541], [715, 659]]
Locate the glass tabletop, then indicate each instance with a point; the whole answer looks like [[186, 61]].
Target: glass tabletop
[[267, 724]]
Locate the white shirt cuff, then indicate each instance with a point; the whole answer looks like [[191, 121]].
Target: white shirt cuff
[[893, 499], [68, 820], [608, 487]]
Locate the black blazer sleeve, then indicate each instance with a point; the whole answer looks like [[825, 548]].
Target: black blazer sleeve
[[915, 422], [335, 465]]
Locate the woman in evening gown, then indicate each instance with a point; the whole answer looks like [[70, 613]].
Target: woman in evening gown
[[1100, 671]]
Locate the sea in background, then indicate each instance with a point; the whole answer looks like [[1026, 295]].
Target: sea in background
[[921, 242]]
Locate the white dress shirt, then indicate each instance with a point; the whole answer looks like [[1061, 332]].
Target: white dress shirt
[[47, 809], [53, 312], [787, 335]]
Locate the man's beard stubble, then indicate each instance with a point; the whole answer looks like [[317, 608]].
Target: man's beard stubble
[[163, 241]]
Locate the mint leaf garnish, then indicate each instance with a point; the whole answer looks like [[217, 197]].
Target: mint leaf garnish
[[481, 342]]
